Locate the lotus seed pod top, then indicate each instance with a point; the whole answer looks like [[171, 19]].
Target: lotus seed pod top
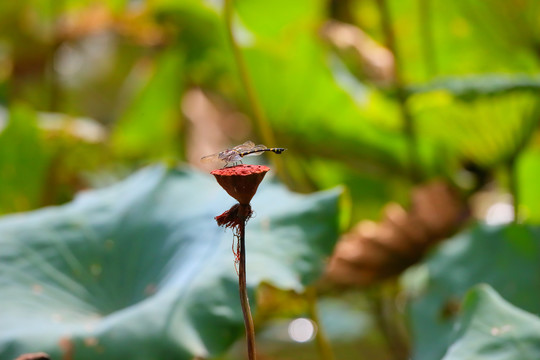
[[241, 181]]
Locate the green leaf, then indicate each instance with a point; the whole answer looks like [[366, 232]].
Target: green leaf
[[463, 37], [140, 270], [150, 126], [504, 257], [199, 28], [487, 120], [23, 162], [276, 18], [474, 86], [310, 98], [299, 84], [491, 328]]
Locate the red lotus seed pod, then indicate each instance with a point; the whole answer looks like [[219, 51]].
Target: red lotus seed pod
[[241, 181]]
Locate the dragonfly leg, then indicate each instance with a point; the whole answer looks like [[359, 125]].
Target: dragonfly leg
[[230, 164]]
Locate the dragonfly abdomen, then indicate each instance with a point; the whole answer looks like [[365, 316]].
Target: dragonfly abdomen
[[260, 151], [277, 150]]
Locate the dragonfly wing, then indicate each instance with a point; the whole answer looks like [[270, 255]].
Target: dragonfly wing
[[247, 146], [259, 148], [212, 157]]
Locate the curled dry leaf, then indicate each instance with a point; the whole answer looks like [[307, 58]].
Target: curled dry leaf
[[374, 251]]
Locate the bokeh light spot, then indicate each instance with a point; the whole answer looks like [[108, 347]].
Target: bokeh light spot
[[302, 330]]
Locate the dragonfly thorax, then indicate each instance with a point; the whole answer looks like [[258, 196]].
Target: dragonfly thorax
[[230, 156]]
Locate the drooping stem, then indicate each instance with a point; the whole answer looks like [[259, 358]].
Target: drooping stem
[[409, 129], [244, 300], [261, 123], [323, 344]]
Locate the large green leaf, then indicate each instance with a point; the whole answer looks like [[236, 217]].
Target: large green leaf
[[140, 270], [503, 257], [491, 328]]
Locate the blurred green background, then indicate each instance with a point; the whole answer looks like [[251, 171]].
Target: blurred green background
[[425, 112]]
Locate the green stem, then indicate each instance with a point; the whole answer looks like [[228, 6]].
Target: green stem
[[511, 169], [261, 123], [53, 83], [409, 129], [244, 300], [426, 35], [323, 344], [388, 320]]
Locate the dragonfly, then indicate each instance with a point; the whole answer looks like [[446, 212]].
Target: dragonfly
[[235, 155]]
